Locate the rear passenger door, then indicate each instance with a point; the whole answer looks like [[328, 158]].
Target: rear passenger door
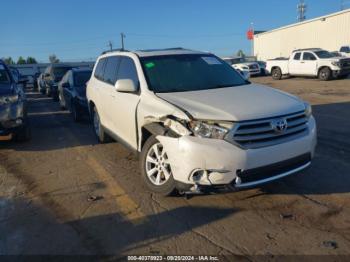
[[123, 106], [295, 64], [309, 64], [107, 92]]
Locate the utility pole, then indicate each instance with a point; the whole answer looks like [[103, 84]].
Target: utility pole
[[301, 7], [110, 44], [122, 36]]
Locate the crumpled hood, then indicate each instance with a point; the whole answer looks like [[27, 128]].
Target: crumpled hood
[[239, 103], [5, 89]]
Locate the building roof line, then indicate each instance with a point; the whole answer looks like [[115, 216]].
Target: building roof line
[[305, 22]]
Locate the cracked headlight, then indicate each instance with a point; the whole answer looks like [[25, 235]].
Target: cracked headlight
[[308, 110], [210, 129], [8, 99]]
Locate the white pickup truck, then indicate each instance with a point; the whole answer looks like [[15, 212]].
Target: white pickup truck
[[310, 62]]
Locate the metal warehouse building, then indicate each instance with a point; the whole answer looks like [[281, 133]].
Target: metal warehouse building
[[328, 32]]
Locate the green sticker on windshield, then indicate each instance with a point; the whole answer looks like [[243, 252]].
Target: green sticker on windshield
[[150, 65]]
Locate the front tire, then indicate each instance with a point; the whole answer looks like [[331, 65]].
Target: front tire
[[24, 134], [156, 169], [276, 73], [325, 74]]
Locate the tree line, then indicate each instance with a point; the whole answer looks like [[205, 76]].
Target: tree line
[[30, 60]]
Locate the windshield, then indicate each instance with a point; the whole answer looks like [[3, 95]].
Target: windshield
[[324, 54], [4, 77], [180, 73], [80, 78], [59, 72]]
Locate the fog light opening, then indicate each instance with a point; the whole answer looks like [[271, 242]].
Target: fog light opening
[[198, 175]]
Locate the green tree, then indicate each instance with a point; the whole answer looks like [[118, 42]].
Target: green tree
[[21, 61], [53, 59], [31, 60], [240, 53], [9, 60]]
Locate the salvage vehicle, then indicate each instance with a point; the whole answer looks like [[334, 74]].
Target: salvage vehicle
[[13, 113], [52, 76], [196, 123], [310, 62], [239, 63], [72, 92]]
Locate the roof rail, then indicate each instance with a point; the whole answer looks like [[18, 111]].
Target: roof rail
[[114, 50], [162, 49]]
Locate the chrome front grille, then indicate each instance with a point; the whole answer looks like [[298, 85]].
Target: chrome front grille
[[263, 133]]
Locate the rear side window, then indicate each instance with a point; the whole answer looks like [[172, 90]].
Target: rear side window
[[99, 68], [297, 56], [309, 56], [127, 70], [111, 69]]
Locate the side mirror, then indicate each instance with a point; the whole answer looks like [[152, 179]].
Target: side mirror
[[126, 86], [66, 85]]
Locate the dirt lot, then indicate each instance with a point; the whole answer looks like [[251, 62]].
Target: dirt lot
[[62, 193]]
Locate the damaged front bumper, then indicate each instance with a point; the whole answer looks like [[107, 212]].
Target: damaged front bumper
[[199, 163]]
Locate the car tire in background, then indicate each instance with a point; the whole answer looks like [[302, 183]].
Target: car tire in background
[[75, 112], [325, 74], [155, 169], [24, 134], [276, 73]]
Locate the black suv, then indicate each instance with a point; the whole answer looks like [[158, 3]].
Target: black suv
[[13, 113], [53, 74]]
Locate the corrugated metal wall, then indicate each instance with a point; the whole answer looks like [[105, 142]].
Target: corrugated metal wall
[[328, 32]]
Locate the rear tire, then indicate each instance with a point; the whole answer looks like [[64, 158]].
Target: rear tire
[[102, 137], [325, 74], [276, 73], [155, 168], [75, 112], [24, 134]]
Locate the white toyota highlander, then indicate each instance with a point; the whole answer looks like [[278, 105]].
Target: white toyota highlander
[[197, 124]]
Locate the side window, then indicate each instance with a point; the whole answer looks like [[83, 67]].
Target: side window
[[297, 56], [309, 56], [100, 68], [70, 78], [345, 49], [110, 73], [127, 70]]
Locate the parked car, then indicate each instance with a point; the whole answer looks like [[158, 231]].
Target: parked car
[[52, 76], [310, 62], [262, 66], [72, 92], [41, 84], [345, 51], [13, 113], [197, 124], [241, 64], [17, 77]]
